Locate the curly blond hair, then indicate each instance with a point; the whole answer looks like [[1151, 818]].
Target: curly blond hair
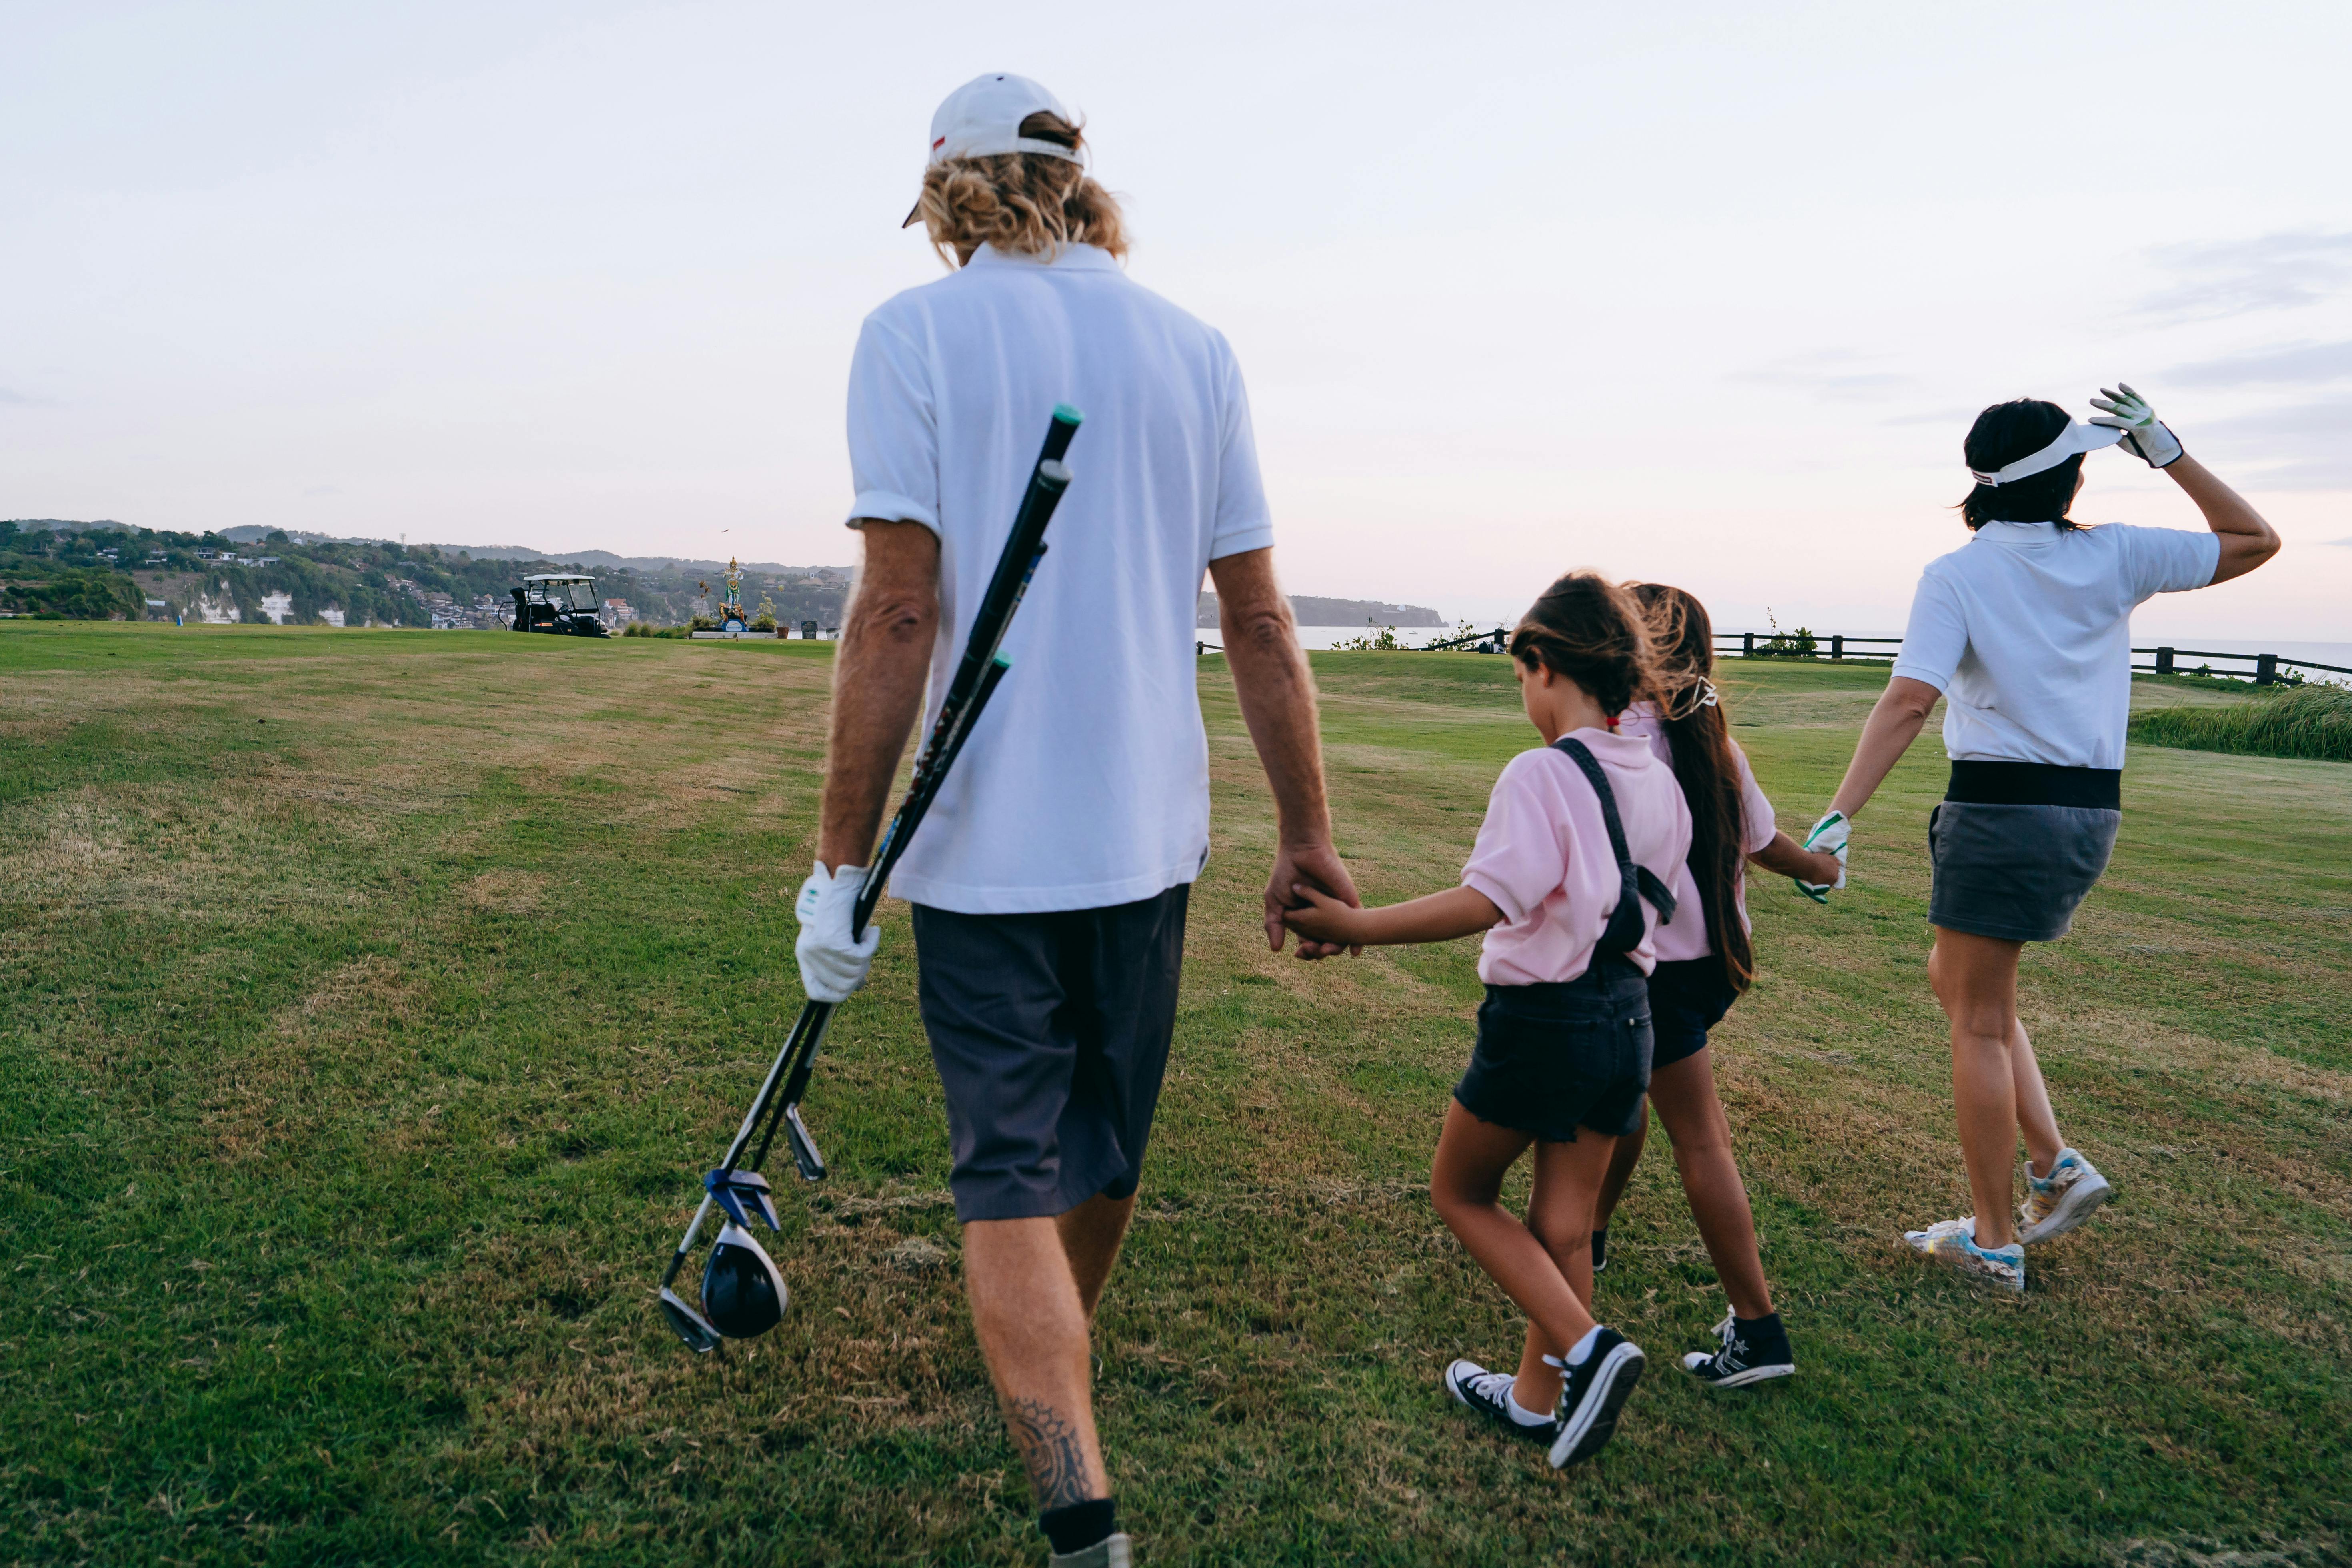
[[1031, 204]]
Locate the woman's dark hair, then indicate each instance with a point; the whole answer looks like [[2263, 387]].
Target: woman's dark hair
[[1591, 630], [2002, 435], [1698, 733]]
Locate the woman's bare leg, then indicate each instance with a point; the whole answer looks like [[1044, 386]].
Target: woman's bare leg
[[2034, 1117], [1975, 978], [1684, 1092]]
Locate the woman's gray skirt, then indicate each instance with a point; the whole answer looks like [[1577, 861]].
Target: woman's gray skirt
[[2015, 872]]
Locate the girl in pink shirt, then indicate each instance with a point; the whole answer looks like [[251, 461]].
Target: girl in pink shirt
[[1567, 881], [1704, 963]]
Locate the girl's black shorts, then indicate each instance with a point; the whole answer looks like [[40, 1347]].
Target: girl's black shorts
[[1687, 997], [1553, 1058]]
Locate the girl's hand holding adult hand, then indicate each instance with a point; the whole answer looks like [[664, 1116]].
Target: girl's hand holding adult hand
[[1324, 918]]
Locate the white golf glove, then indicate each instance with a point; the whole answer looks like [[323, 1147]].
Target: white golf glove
[[2144, 434], [833, 962], [1830, 836]]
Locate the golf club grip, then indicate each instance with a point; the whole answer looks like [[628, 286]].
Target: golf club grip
[[1058, 431]]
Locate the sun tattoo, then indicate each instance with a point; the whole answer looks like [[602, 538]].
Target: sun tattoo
[[1050, 1450]]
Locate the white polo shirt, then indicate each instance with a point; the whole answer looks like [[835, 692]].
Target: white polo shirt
[[2026, 630], [1085, 782]]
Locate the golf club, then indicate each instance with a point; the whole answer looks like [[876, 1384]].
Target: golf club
[[742, 1293]]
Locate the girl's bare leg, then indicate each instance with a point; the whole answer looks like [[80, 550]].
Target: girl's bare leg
[[1560, 1214], [1464, 1183], [1688, 1105], [1620, 1170]]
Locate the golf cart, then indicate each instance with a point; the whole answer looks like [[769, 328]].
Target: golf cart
[[558, 602]]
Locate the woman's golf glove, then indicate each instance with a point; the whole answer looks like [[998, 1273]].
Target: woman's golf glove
[[833, 961], [1828, 836], [2146, 436]]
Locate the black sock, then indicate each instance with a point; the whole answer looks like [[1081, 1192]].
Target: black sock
[[1080, 1525]]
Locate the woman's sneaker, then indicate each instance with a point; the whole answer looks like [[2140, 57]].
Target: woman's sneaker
[[1954, 1241], [1751, 1352], [1595, 1391], [2057, 1202], [1489, 1393]]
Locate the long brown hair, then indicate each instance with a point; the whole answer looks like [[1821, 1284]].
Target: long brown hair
[[1591, 630], [1030, 203], [1699, 736]]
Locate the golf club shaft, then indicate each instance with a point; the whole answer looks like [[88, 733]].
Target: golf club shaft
[[975, 682]]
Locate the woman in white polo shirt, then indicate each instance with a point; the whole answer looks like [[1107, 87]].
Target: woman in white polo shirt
[[2025, 632]]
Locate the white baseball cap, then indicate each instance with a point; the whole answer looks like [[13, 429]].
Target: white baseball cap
[[983, 118]]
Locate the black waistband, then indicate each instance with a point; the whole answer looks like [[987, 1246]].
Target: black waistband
[[2036, 784], [1604, 974]]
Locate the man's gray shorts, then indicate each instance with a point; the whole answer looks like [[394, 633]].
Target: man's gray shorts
[[1050, 1032], [2015, 872]]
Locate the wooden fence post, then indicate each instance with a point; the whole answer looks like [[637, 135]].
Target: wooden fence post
[[1748, 645], [2163, 662], [2265, 668], [1837, 647]]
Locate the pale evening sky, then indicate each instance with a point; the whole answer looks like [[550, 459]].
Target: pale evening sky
[[1705, 293]]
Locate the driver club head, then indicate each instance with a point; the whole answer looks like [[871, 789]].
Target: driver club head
[[689, 1324], [743, 1295]]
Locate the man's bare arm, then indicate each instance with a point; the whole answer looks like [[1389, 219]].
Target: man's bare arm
[[1277, 699], [878, 671]]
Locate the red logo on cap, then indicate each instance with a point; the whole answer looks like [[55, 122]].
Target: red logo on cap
[[940, 143]]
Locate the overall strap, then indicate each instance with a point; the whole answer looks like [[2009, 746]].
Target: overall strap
[[1634, 882]]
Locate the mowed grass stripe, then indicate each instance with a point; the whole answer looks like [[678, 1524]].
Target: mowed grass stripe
[[369, 1001]]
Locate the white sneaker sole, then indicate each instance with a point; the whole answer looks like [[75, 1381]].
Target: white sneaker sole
[[2081, 1201], [1697, 1359], [1582, 1435]]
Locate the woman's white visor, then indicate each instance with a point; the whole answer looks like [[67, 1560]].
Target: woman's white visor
[[2072, 440]]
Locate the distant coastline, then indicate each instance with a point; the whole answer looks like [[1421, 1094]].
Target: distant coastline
[[1312, 610]]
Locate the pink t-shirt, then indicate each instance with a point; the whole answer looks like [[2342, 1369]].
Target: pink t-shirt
[[1543, 856], [1687, 939]]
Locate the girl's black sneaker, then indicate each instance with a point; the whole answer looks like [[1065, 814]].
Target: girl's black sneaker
[[1751, 1352], [1489, 1393], [1595, 1391]]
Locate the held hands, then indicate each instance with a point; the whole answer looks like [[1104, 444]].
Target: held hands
[[1827, 842], [1316, 870], [1322, 920], [833, 962], [2144, 435]]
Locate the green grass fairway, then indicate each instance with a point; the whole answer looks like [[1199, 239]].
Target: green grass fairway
[[371, 1001]]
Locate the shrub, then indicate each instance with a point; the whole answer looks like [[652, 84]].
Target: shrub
[[1382, 641], [2313, 720]]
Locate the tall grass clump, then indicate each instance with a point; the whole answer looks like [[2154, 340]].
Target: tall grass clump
[[2312, 721]]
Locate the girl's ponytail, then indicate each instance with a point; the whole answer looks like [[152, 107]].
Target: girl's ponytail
[[1691, 715]]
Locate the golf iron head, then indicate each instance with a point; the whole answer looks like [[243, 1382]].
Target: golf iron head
[[689, 1324], [743, 1295]]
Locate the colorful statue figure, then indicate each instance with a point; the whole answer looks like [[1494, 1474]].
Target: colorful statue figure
[[731, 610]]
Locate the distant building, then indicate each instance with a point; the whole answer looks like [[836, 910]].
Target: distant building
[[618, 613]]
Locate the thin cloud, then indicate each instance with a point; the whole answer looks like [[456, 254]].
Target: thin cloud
[[20, 399], [1834, 375], [2277, 271], [2305, 446], [2289, 364]]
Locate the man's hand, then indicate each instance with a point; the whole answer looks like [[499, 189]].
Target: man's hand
[[834, 963], [1315, 866], [2145, 436]]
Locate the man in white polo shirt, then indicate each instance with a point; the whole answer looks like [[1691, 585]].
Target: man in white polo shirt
[[1050, 879], [2025, 633]]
